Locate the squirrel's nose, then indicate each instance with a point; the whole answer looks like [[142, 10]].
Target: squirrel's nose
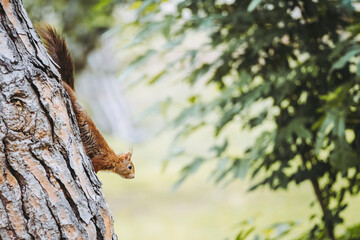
[[131, 176]]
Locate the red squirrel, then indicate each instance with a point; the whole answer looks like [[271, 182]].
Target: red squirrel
[[101, 155]]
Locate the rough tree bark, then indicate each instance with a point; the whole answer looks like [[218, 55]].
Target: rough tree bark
[[48, 188]]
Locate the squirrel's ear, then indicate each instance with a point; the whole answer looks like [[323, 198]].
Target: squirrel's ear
[[122, 157], [129, 155]]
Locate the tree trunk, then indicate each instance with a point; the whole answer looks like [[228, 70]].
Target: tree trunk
[[48, 188]]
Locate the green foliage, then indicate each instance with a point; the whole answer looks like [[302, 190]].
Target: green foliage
[[300, 60], [273, 232], [352, 233]]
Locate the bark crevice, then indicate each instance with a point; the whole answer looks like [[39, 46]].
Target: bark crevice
[[20, 182], [36, 91]]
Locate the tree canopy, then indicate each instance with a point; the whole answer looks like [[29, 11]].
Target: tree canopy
[[294, 64]]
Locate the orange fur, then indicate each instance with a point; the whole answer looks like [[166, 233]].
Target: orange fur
[[101, 155]]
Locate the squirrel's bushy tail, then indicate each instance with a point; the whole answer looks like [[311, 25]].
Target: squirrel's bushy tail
[[57, 49]]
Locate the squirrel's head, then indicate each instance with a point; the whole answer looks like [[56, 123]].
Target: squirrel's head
[[125, 167]]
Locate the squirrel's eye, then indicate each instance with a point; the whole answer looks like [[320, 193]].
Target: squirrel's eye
[[129, 166]]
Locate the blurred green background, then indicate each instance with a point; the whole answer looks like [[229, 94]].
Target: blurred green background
[[243, 115]]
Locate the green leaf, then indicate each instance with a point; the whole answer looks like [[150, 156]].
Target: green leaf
[[226, 118], [253, 5], [297, 127], [343, 157], [220, 149], [221, 170], [325, 128], [344, 59], [243, 234], [168, 22], [195, 75], [240, 168], [188, 170], [157, 77]]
